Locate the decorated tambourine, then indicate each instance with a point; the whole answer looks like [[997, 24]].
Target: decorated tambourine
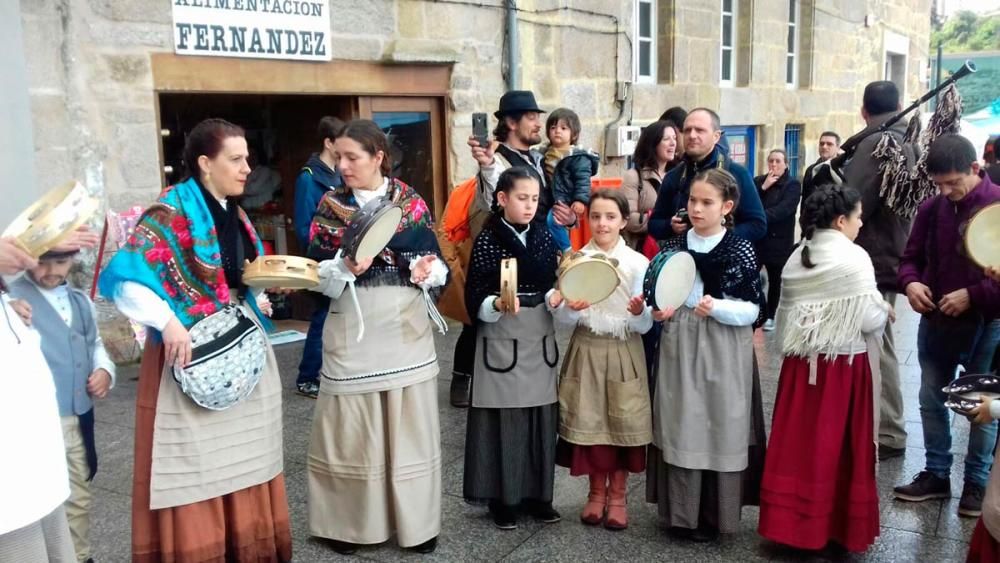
[[587, 277], [370, 229], [982, 237], [287, 272], [967, 392], [669, 280], [508, 283], [52, 219]]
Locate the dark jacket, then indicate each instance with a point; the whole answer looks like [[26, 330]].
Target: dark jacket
[[571, 178], [883, 234], [314, 180], [935, 252], [993, 171], [751, 224], [808, 185], [780, 202]]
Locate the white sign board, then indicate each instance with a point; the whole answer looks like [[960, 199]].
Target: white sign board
[[267, 29]]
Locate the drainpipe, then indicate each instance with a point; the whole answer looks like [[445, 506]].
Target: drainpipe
[[513, 56]]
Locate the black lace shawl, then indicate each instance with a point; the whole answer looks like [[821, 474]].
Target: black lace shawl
[[731, 268], [232, 236], [536, 264]]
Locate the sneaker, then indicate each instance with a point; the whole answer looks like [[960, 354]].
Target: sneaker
[[459, 395], [769, 325], [925, 486], [543, 511], [888, 452], [309, 389], [971, 504], [504, 517]]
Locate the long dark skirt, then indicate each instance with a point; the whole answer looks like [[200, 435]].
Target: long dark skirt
[[510, 454]]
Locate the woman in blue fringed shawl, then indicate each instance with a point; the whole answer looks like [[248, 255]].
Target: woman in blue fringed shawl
[[208, 485]]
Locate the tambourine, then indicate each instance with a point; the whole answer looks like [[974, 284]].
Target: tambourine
[[982, 237], [508, 283], [287, 272], [52, 219], [967, 392], [370, 229], [588, 277], [669, 280]]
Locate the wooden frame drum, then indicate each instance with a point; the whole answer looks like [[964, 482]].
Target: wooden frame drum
[[287, 272], [588, 277], [52, 219], [508, 284], [982, 237]]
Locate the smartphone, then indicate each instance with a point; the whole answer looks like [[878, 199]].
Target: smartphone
[[480, 129], [682, 214]]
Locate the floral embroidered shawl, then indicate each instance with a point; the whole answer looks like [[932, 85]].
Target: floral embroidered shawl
[[414, 237], [174, 251]]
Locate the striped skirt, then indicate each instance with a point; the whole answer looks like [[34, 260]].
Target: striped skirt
[[510, 454]]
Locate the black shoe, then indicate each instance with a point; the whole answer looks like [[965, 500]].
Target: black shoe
[[343, 547], [704, 534], [309, 389], [427, 547], [888, 452], [460, 390], [504, 517], [971, 504], [543, 512], [925, 486], [679, 532]]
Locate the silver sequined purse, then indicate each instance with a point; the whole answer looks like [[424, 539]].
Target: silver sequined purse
[[227, 359]]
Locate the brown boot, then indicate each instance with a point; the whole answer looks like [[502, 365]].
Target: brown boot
[[597, 500], [617, 515]]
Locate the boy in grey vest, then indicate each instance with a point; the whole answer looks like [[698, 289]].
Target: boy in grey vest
[[65, 318]]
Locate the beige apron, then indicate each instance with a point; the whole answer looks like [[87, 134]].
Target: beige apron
[[199, 454], [516, 359], [604, 392]]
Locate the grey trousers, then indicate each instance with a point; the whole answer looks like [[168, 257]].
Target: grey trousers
[[892, 427], [44, 541]]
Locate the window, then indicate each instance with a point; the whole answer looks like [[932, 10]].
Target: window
[[793, 147], [896, 48], [792, 56], [727, 51], [645, 43]]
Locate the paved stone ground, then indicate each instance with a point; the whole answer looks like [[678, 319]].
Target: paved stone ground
[[930, 531]]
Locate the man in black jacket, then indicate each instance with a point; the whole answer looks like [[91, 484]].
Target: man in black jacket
[[779, 193], [828, 148], [883, 235]]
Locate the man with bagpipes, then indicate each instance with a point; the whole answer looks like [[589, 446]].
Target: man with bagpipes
[[885, 163]]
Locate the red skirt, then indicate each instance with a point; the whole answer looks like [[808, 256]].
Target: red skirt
[[592, 460], [982, 547], [819, 476]]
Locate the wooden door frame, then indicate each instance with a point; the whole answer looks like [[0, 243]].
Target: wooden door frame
[[369, 105]]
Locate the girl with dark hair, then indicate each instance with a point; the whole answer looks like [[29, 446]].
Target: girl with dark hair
[[655, 154], [819, 477], [208, 485], [702, 408], [375, 453], [510, 440], [604, 412]]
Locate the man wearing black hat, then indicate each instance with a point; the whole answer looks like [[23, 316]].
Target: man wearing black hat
[[519, 128], [81, 370]]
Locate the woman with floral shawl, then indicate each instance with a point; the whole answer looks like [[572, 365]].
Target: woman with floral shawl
[[207, 485], [375, 451]]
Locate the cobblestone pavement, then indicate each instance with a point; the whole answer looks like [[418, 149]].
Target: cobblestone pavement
[[929, 531]]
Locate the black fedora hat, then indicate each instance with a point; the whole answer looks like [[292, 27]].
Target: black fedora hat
[[517, 101]]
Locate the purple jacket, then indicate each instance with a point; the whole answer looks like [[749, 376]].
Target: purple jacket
[[942, 264]]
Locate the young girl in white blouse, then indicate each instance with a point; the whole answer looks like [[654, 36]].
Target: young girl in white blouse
[[604, 411], [702, 409]]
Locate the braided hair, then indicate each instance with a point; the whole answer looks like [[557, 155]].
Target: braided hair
[[822, 208], [727, 186], [506, 183]]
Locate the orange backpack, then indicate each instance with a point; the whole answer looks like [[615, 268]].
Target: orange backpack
[[455, 222]]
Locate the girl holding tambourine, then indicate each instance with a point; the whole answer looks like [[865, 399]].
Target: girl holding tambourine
[[702, 405], [510, 441], [604, 410]]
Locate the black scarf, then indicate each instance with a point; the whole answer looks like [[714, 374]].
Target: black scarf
[[536, 262], [731, 268], [234, 242]]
